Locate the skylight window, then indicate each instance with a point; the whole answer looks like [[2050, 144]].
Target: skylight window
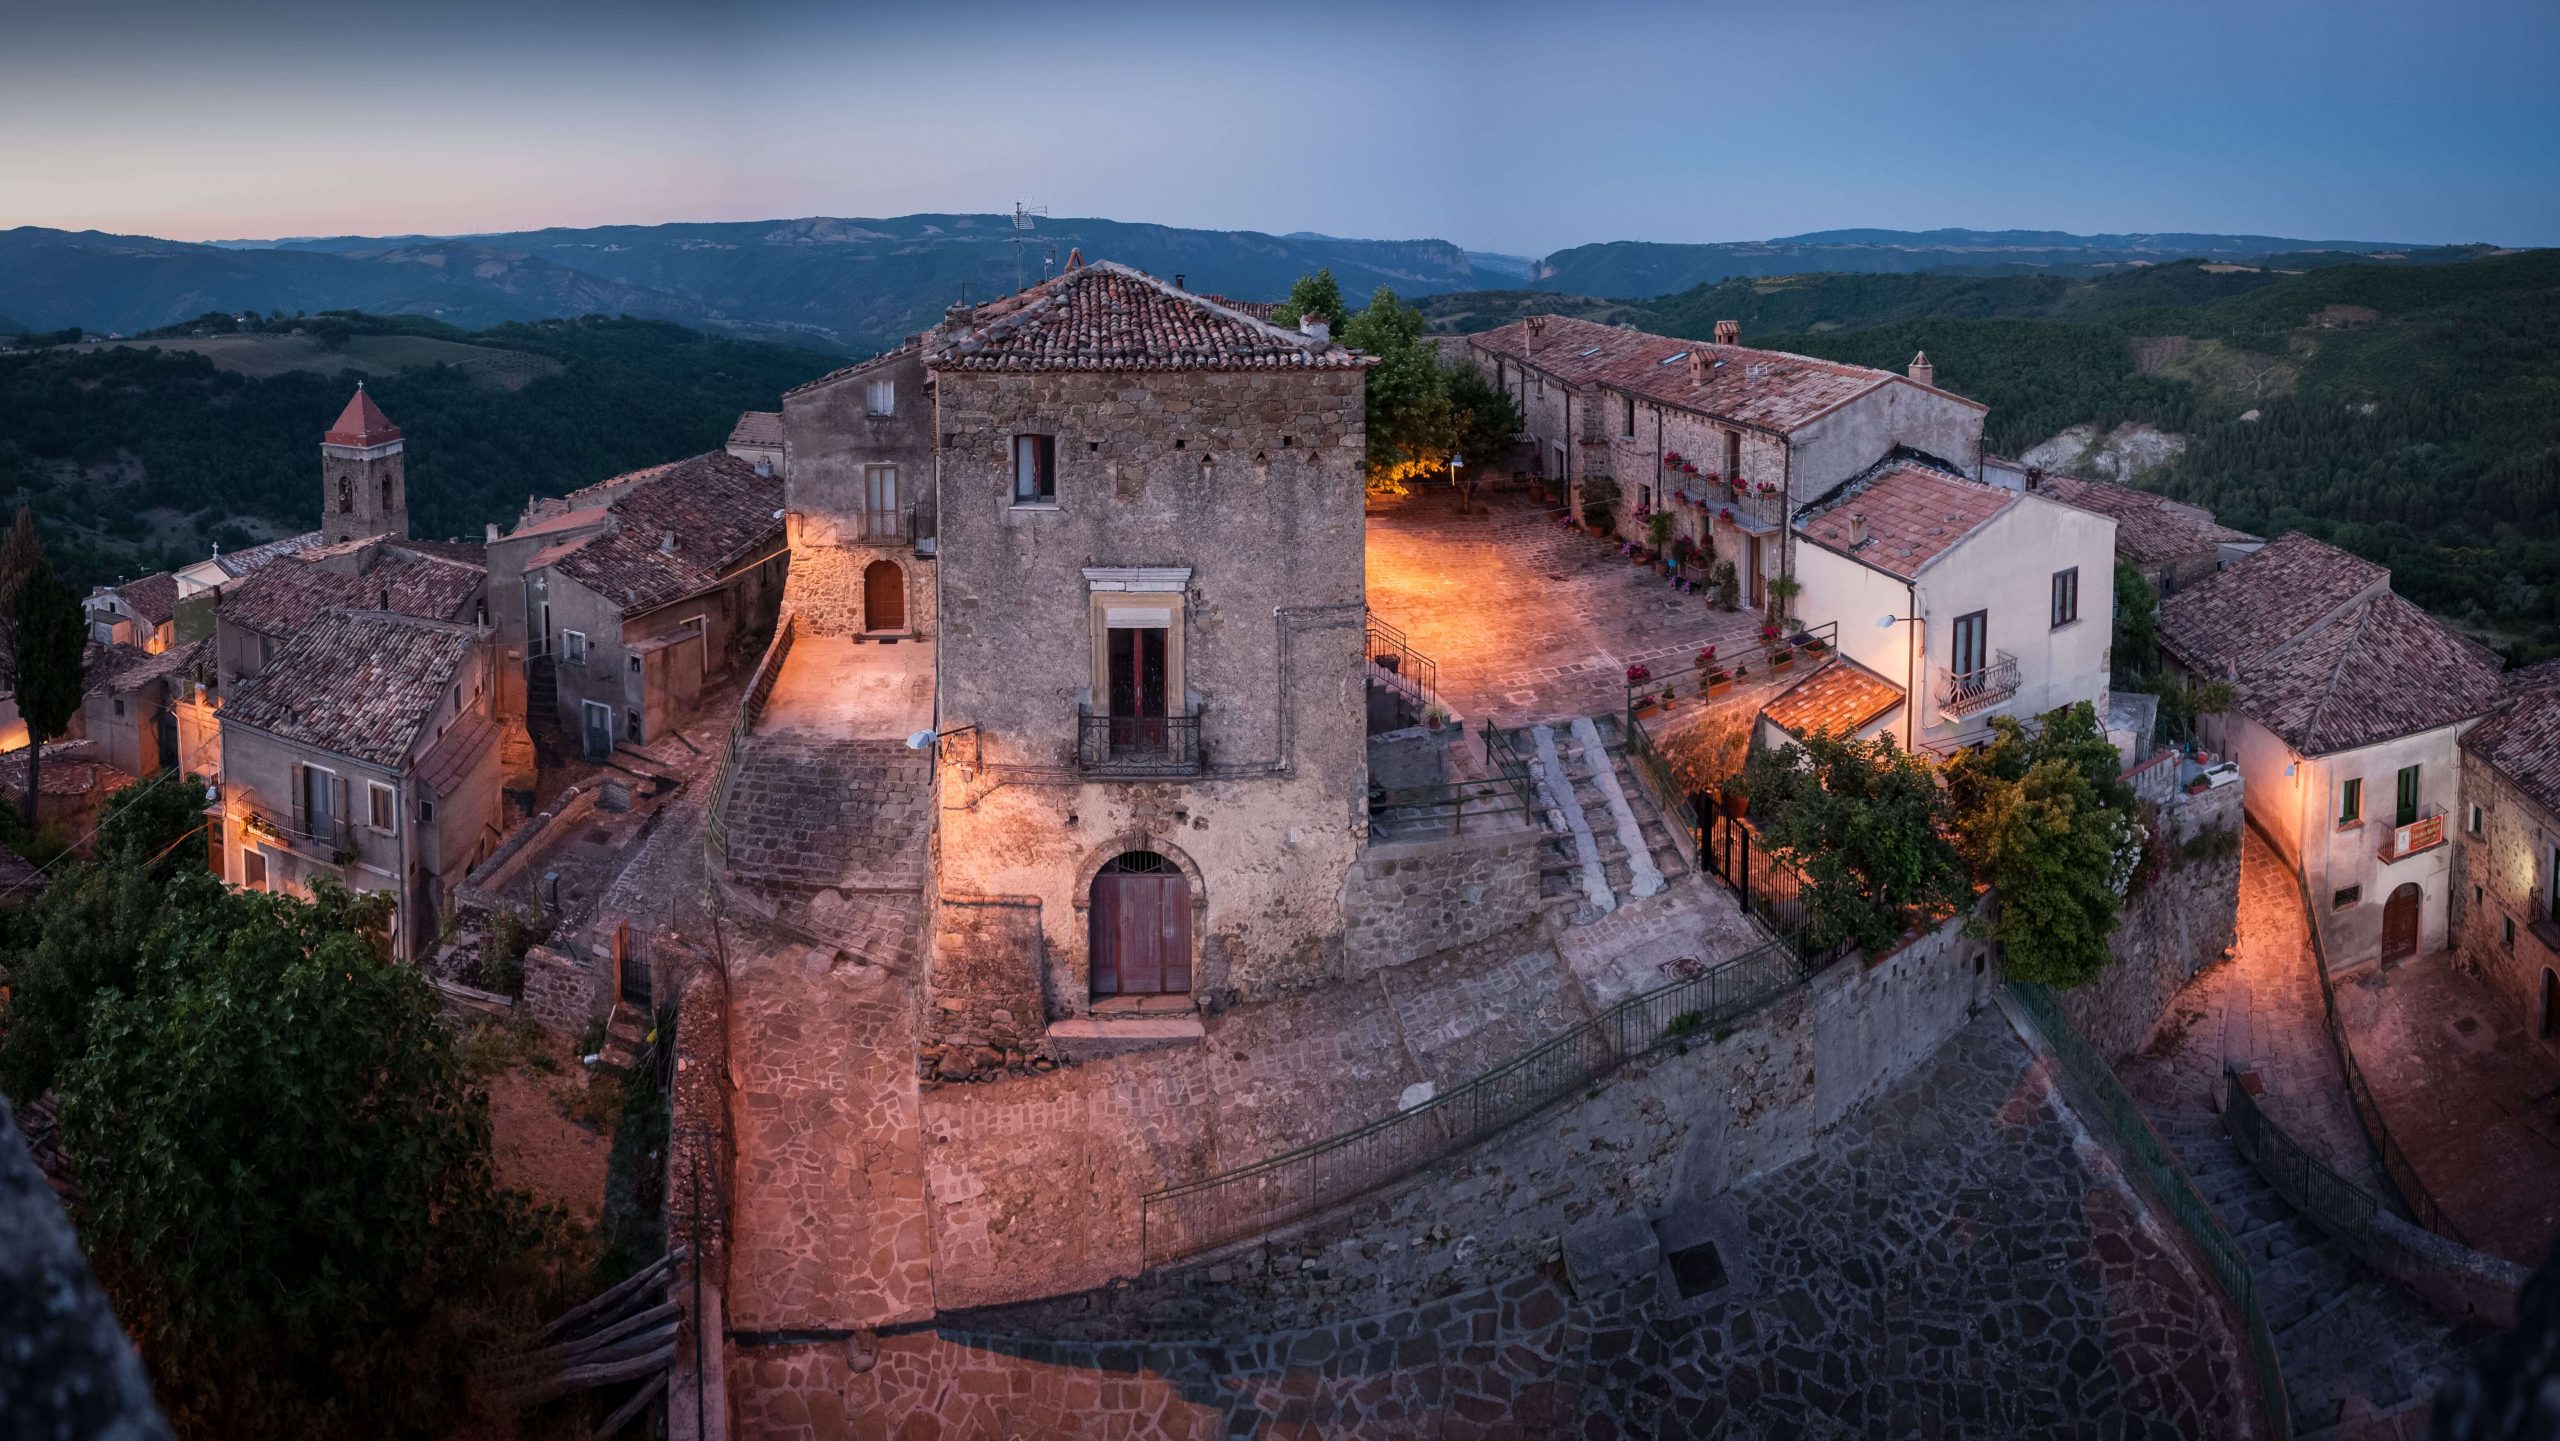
[[1595, 350], [1666, 360]]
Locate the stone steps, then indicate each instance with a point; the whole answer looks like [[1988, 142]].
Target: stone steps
[[1591, 847], [812, 813]]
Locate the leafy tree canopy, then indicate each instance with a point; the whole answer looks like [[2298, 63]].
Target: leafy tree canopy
[[1867, 824], [1317, 292], [285, 1172], [2044, 821]]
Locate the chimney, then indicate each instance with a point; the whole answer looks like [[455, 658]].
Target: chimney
[[1697, 367], [1075, 257], [1728, 332], [667, 542], [1857, 529], [1178, 278], [959, 318], [490, 533], [1922, 371], [1316, 328]]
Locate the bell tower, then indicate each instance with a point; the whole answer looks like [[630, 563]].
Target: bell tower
[[364, 483]]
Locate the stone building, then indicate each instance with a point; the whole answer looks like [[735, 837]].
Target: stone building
[[364, 475], [366, 751], [141, 613], [131, 708], [1145, 599], [2507, 852], [258, 615], [2351, 705], [625, 600], [1729, 439], [757, 440]]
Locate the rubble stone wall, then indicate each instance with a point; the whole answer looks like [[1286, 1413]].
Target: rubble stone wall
[[1410, 899], [560, 992], [2183, 920]]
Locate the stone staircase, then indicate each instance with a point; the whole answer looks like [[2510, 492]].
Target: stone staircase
[[2361, 1358], [626, 1039], [1606, 842]]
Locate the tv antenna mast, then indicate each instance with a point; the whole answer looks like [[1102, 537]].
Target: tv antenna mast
[[1022, 215]]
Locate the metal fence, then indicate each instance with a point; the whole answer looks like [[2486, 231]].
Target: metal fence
[[1389, 650], [2157, 1168], [1236, 1205], [1417, 812], [1810, 647], [2338, 1204]]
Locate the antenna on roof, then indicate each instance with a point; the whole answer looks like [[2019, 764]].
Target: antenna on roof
[[1021, 227]]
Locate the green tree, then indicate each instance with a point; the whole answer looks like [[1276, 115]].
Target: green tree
[[2044, 821], [1866, 823], [2137, 629], [42, 639], [285, 1173], [1318, 292]]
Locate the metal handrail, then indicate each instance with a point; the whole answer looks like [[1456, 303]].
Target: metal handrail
[[1442, 808], [2158, 1169], [1234, 1205], [1386, 647], [1817, 643], [1962, 692]]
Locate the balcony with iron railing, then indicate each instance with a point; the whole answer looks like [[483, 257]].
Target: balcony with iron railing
[[1964, 692], [335, 845], [1138, 745], [892, 525], [2398, 842]]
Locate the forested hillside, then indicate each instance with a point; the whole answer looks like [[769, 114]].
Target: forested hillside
[[2411, 414], [144, 458]]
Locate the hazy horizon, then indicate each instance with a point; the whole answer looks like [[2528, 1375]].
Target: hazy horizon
[[1500, 127]]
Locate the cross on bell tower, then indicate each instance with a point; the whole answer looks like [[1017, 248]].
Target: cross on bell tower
[[364, 483]]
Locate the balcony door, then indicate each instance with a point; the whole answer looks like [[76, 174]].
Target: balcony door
[[1139, 674], [1971, 653], [880, 501]]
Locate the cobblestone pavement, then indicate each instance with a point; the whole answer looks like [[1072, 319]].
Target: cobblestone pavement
[[2360, 1358], [1527, 620], [2470, 1098], [1955, 1261]]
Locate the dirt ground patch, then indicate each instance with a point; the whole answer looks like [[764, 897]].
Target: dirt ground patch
[[548, 1135]]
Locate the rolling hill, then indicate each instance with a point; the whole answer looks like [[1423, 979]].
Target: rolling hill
[[1640, 269]]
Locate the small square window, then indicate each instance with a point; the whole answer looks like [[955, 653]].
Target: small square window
[[631, 724], [880, 397], [635, 665], [2346, 898], [573, 647], [382, 806], [119, 709], [426, 811], [2351, 801]]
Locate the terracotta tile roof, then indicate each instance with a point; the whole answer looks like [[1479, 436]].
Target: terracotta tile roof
[[757, 427], [71, 768], [360, 684], [1258, 309], [2521, 740], [1843, 698], [1913, 514], [241, 562], [604, 490], [284, 597], [1106, 316], [455, 752], [467, 552], [120, 668], [913, 342], [2233, 617], [2150, 528], [362, 423], [154, 597], [2387, 669], [1769, 390], [720, 512]]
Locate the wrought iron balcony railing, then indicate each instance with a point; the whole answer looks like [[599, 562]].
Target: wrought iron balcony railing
[[2425, 833], [1962, 692], [1138, 744]]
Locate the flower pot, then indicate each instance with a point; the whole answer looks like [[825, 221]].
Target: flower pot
[[1598, 531], [1736, 804], [1716, 688], [1815, 647], [1781, 662]]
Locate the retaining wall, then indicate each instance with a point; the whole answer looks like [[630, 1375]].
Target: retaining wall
[[2186, 918], [1409, 899]]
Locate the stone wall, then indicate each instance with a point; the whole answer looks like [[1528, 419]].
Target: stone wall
[[1706, 741], [1409, 899], [561, 993], [699, 1171], [984, 978], [2507, 867], [828, 561], [2183, 920]]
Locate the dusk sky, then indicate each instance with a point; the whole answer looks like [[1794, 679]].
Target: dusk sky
[[1521, 128]]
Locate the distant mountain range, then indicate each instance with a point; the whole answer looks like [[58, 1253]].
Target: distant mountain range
[[858, 284]]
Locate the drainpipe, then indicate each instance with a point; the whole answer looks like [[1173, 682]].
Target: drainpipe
[[1911, 667]]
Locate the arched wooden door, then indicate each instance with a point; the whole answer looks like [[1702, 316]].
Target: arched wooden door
[[884, 596], [2400, 923], [1141, 928]]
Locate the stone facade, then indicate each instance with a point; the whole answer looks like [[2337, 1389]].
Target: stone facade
[[1239, 494], [2185, 919], [859, 492], [2506, 873], [1409, 899], [561, 993]]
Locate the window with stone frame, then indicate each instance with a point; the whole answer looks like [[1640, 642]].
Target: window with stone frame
[[1035, 470], [382, 807], [880, 397], [573, 647]]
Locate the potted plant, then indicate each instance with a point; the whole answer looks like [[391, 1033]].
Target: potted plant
[[1812, 644], [1657, 529], [1665, 698], [1782, 657], [1600, 504], [1719, 680], [1639, 673], [1728, 585], [1768, 632], [1737, 798], [1782, 593], [1436, 717], [1706, 657]]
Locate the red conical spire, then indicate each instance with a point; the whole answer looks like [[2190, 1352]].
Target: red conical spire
[[362, 423]]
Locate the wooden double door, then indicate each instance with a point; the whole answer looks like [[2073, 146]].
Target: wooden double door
[[2400, 923], [1141, 936]]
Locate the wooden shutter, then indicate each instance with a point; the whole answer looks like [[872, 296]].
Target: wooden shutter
[[340, 823], [301, 799]]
